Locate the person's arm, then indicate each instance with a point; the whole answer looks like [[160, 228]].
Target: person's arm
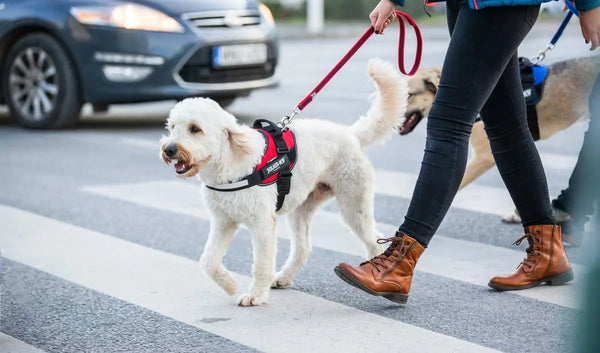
[[383, 14]]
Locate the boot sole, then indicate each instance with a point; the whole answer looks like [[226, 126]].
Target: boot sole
[[351, 280], [553, 281]]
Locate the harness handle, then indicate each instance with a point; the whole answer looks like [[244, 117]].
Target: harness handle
[[401, 44]]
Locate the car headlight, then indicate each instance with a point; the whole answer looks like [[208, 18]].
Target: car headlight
[[266, 14], [128, 16]]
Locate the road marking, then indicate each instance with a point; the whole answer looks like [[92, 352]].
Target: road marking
[[9, 344], [558, 161], [475, 197], [461, 260], [172, 286]]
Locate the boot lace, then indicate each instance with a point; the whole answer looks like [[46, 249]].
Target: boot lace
[[533, 250], [397, 243]]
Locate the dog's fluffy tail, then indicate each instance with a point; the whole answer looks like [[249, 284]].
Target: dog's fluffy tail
[[388, 104]]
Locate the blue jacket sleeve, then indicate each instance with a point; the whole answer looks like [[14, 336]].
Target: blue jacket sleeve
[[401, 2], [585, 5]]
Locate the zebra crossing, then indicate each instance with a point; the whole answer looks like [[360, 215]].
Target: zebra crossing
[[72, 253], [99, 242], [450, 309]]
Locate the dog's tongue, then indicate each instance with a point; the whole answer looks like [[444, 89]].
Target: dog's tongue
[[409, 124], [179, 166]]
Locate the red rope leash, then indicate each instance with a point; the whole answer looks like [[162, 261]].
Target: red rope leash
[[401, 44]]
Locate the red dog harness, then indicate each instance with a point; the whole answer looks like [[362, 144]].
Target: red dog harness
[[276, 164]]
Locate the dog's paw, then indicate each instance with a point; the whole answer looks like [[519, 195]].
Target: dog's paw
[[249, 299], [282, 281], [511, 218]]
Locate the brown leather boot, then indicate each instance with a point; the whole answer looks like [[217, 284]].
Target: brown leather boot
[[389, 274], [546, 261]]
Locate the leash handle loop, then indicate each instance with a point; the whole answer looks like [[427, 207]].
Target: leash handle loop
[[572, 7], [401, 44], [402, 40]]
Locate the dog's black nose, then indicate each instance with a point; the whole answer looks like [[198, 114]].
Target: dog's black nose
[[171, 150]]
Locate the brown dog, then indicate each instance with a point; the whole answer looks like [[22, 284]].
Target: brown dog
[[564, 102]]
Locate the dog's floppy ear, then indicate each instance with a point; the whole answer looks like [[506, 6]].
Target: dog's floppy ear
[[432, 80], [239, 141]]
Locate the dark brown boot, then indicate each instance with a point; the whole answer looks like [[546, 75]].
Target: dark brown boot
[[546, 261], [389, 274]]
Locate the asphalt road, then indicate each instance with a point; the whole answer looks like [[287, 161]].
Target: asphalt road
[[99, 240]]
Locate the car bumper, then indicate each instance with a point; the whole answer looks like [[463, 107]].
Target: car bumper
[[178, 65]]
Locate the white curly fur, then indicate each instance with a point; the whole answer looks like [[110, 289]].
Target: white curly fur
[[330, 163]]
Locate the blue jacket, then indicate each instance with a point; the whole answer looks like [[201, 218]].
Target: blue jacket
[[582, 5]]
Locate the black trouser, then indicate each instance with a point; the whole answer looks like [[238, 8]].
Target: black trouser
[[480, 74], [578, 199]]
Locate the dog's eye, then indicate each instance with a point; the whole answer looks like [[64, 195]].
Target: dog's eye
[[195, 129]]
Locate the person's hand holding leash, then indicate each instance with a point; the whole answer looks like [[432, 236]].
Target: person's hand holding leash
[[382, 15], [589, 20], [590, 26]]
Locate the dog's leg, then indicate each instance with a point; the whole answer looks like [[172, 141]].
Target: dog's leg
[[355, 199], [211, 261], [483, 159], [264, 243], [299, 221]]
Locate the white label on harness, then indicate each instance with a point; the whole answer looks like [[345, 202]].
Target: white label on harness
[[275, 166], [527, 93]]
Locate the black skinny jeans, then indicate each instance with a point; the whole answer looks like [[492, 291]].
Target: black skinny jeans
[[480, 74]]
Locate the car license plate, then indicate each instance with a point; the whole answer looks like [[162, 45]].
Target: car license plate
[[239, 55]]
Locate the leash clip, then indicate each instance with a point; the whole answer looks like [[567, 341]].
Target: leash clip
[[287, 120], [542, 55]]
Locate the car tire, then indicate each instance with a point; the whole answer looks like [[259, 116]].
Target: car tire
[[40, 85]]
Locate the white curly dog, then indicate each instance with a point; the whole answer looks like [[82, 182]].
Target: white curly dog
[[206, 141]]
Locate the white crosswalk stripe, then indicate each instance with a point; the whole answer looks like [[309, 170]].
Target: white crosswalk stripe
[[458, 259], [9, 344], [171, 285]]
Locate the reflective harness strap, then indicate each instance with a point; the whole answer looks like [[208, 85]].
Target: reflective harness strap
[[279, 165]]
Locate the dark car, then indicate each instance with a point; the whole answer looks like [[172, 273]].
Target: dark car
[[56, 55]]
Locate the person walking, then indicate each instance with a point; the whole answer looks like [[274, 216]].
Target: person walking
[[577, 200], [480, 74]]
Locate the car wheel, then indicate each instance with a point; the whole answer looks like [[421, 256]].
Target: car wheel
[[40, 84]]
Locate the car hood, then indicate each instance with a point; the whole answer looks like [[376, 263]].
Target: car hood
[[177, 7]]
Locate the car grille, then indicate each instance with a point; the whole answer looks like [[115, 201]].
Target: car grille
[[199, 69], [216, 19]]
